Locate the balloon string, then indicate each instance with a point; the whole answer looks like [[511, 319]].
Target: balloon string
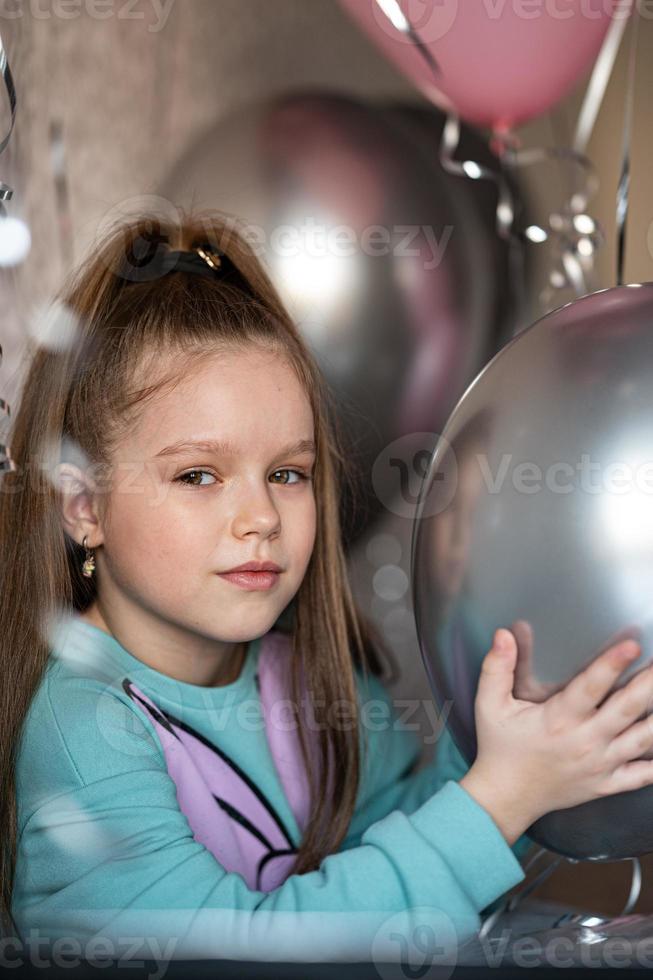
[[474, 170], [624, 178], [512, 901], [505, 209], [633, 896], [574, 233], [6, 462], [635, 887], [397, 17], [423, 49], [601, 74], [6, 191]]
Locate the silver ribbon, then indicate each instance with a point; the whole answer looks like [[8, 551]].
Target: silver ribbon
[[6, 462], [392, 10], [624, 177], [5, 190], [601, 74], [510, 903], [574, 234]]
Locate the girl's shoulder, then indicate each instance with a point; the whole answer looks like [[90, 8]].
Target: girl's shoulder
[[80, 726]]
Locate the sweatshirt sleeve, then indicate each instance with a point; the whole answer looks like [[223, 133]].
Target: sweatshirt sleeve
[[106, 855], [391, 781]]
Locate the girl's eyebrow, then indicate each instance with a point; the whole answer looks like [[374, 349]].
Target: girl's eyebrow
[[222, 447]]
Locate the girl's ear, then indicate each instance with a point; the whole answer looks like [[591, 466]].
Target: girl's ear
[[78, 504]]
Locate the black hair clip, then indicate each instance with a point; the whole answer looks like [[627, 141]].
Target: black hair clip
[[206, 258], [148, 257]]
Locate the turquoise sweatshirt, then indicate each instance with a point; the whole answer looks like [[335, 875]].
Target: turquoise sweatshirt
[[110, 767]]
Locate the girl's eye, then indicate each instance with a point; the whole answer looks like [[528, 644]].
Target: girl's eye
[[302, 476], [187, 478], [191, 473]]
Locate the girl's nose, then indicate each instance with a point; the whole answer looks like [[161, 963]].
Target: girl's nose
[[256, 513]]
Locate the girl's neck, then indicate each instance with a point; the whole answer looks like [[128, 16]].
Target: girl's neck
[[228, 672], [233, 668]]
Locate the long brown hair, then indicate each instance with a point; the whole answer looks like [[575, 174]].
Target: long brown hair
[[80, 396]]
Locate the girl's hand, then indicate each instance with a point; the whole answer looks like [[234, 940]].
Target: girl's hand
[[526, 687], [537, 757]]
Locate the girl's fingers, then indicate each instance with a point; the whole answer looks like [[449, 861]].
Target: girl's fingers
[[632, 632], [634, 775], [627, 704], [580, 697], [534, 691], [497, 675], [634, 742]]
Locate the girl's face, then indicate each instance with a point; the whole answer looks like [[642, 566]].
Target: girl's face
[[178, 515]]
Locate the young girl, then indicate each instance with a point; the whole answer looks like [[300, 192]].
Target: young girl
[[203, 762]]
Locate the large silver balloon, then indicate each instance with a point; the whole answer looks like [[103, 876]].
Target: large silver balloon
[[537, 514], [390, 268]]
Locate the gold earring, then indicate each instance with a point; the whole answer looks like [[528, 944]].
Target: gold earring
[[89, 564]]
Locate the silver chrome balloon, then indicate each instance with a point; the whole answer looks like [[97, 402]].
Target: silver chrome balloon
[[388, 265], [536, 514]]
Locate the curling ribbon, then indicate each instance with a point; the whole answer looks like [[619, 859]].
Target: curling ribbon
[[575, 235], [624, 177], [6, 462], [6, 191]]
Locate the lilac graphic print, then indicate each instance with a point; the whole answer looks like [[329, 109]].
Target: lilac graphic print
[[227, 812]]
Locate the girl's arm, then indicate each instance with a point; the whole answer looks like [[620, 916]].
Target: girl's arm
[[104, 850], [390, 781]]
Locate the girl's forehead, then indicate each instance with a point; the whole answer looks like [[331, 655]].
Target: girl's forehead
[[236, 408], [224, 368]]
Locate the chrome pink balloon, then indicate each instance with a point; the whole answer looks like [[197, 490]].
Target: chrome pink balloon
[[501, 62]]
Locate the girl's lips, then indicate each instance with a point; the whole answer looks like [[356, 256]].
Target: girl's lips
[[252, 580]]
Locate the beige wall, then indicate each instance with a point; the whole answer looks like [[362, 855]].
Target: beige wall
[[131, 95]]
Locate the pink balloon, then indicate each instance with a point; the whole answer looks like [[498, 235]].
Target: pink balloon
[[501, 62]]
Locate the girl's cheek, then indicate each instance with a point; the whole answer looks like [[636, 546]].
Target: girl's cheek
[[160, 495]]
